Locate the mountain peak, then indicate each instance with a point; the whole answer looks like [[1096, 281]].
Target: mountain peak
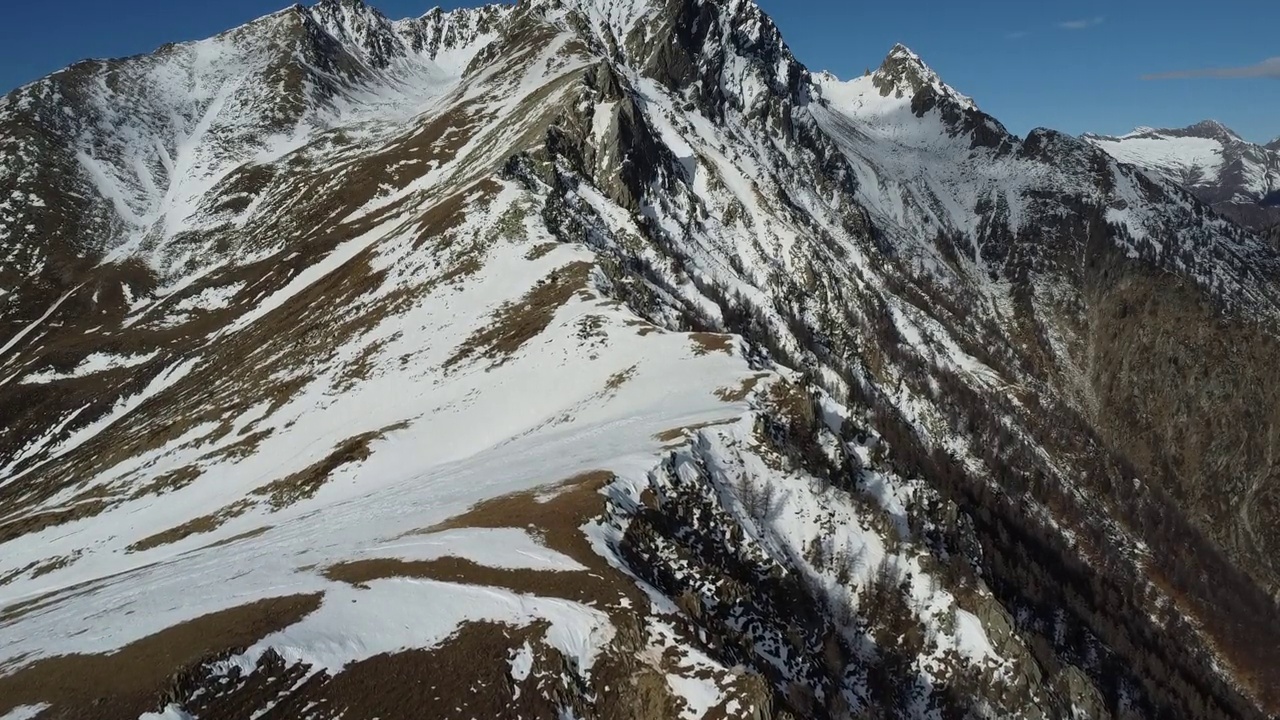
[[344, 9], [1205, 130], [903, 52], [1211, 129], [360, 27], [905, 69], [1210, 160], [904, 73]]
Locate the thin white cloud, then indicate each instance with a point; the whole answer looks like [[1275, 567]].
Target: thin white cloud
[[1016, 35], [1083, 23], [1269, 68]]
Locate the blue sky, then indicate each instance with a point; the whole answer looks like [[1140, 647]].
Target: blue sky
[[1076, 66]]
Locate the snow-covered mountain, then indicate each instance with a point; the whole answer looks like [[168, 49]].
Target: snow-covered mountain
[[596, 359], [1237, 177]]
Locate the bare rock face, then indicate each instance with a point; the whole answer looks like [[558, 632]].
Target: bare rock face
[[599, 360]]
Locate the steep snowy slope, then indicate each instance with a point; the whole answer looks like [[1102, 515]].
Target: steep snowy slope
[[366, 420], [143, 141], [1237, 177], [591, 358]]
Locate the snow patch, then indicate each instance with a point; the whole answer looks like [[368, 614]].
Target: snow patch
[[95, 363], [390, 616]]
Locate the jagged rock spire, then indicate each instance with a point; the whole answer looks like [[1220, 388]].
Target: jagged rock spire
[[721, 50], [905, 74]]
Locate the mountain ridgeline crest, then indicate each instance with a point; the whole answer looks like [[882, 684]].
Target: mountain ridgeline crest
[[597, 359]]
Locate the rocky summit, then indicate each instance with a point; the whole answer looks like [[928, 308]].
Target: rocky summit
[[597, 359]]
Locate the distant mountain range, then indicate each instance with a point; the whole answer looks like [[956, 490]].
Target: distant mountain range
[[1238, 178]]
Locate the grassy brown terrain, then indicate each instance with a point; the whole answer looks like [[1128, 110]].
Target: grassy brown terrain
[[135, 679]]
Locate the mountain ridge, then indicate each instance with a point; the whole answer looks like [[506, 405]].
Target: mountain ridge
[[1238, 178], [631, 378]]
